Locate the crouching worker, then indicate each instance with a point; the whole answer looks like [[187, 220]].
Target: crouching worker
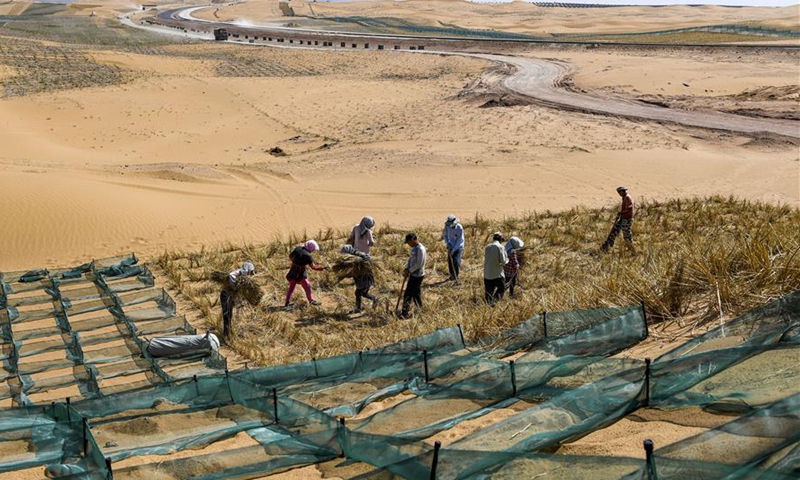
[[301, 259], [358, 265], [227, 297]]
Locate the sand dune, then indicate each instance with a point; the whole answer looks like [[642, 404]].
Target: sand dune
[[518, 17], [176, 152]]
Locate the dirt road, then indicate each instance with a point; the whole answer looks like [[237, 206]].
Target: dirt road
[[543, 81]]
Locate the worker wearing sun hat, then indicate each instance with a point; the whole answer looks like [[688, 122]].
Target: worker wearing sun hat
[[301, 258], [227, 297], [623, 222], [453, 236]]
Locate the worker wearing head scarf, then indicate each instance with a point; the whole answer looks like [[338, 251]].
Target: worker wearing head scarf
[[301, 258], [227, 297], [511, 269], [361, 237]]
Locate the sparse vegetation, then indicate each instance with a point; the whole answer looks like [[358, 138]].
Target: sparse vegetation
[[45, 68], [79, 30], [694, 257]]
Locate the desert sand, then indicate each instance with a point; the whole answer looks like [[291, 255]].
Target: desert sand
[[175, 152], [174, 145], [519, 17]]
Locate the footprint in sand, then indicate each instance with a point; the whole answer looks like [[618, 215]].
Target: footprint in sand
[[140, 241]]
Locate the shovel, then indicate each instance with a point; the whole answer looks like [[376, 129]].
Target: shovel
[[400, 295]]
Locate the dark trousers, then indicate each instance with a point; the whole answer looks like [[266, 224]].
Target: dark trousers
[[623, 224], [413, 293], [454, 263], [226, 301], [512, 282], [362, 293], [495, 288]]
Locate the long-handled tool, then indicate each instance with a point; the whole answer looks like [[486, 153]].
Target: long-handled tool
[[400, 295], [452, 264]]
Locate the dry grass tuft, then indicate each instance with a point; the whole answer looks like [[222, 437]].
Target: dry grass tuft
[[694, 258]]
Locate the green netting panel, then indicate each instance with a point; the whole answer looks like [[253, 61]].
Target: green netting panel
[[505, 466], [195, 414], [515, 338], [382, 361], [576, 409], [175, 325], [463, 387], [481, 465], [377, 376], [775, 322], [568, 416], [206, 391], [52, 441], [445, 339], [566, 323], [730, 380], [385, 451], [605, 337], [720, 367], [343, 385], [557, 324], [765, 439], [108, 266], [437, 407]]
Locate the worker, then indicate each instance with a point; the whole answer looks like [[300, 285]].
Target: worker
[[453, 236], [511, 269], [363, 277], [414, 273], [301, 259], [624, 222], [494, 260], [227, 297], [361, 237]]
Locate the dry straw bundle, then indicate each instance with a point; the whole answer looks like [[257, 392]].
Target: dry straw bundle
[[351, 266], [245, 287], [248, 289]]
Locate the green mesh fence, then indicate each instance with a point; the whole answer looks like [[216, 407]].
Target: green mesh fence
[[431, 407], [597, 324], [78, 332], [753, 360]]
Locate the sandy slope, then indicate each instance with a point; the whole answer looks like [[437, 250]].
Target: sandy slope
[[517, 16], [178, 155]]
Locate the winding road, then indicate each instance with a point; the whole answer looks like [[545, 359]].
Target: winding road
[[538, 79], [541, 80]]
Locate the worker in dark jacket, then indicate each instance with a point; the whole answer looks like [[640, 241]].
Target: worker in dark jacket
[[301, 260], [363, 278]]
